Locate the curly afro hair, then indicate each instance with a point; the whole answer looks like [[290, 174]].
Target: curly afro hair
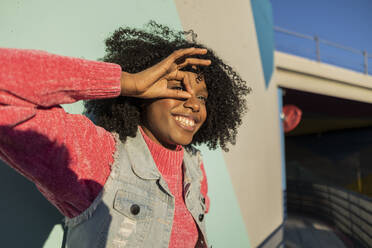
[[137, 49]]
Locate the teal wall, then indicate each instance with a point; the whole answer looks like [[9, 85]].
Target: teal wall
[[263, 20], [78, 28]]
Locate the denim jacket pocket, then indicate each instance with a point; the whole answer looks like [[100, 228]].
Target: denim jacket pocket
[[132, 205]]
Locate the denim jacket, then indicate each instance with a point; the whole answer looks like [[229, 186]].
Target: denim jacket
[[135, 207]]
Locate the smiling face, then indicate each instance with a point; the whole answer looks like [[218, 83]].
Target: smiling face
[[171, 122]]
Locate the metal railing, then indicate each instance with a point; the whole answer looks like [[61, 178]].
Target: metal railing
[[350, 212], [318, 42]]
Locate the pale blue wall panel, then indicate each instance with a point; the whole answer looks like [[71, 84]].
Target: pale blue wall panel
[[263, 20], [225, 225], [71, 28]]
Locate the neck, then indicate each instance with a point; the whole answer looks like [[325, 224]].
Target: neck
[[156, 140]]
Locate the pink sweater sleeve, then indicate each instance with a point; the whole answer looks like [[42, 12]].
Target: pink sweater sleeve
[[65, 155]]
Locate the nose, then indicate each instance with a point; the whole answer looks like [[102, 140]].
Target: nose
[[192, 103]]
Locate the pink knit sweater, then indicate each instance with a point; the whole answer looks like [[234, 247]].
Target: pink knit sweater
[[184, 231], [66, 155]]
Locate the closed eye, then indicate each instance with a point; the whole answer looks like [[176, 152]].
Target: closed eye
[[177, 87]]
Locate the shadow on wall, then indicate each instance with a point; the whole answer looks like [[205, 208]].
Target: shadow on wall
[[27, 217]]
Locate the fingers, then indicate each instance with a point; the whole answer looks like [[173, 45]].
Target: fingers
[[194, 61], [181, 76], [188, 52], [176, 55], [169, 64]]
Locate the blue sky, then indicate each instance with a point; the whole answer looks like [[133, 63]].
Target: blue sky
[[347, 22]]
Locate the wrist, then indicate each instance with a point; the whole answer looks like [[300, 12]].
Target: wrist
[[124, 82]]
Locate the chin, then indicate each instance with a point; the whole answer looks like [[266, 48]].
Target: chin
[[183, 141]]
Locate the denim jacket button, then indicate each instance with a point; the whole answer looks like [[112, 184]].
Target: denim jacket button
[[201, 217], [135, 209]]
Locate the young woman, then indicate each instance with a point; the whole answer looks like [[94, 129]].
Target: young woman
[[133, 179]]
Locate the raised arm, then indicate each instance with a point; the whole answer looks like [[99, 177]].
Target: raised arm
[[31, 78], [65, 155]]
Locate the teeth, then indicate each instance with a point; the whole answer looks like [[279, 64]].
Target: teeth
[[185, 121]]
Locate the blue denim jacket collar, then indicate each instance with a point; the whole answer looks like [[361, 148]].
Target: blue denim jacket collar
[[143, 164], [192, 172], [131, 182]]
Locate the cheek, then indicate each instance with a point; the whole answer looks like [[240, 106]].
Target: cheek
[[164, 104], [155, 117], [204, 112], [203, 115], [158, 112], [157, 107]]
